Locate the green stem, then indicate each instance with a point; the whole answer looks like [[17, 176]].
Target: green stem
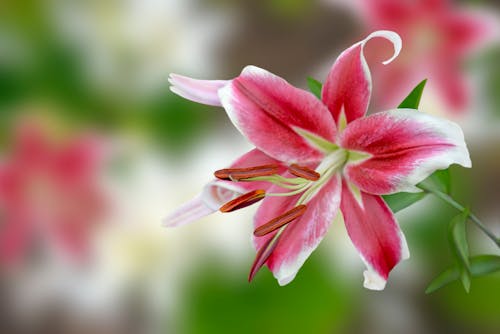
[[448, 199]]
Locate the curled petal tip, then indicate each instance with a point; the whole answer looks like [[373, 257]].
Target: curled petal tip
[[393, 37]]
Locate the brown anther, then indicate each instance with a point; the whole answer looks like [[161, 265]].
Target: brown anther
[[279, 221], [237, 174], [262, 255], [243, 201], [304, 172]]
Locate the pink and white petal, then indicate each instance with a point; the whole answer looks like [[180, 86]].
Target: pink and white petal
[[212, 197], [405, 145], [375, 233], [268, 110], [301, 236], [348, 85], [201, 91], [188, 212]]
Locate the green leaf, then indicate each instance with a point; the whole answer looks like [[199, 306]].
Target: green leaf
[[399, 201], [445, 278], [440, 180], [484, 264], [458, 240], [314, 86], [479, 266], [413, 99]]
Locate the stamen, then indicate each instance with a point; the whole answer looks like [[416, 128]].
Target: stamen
[[236, 174], [304, 172], [281, 220], [262, 255], [243, 201]]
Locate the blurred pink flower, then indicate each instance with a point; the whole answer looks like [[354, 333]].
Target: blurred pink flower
[[437, 35], [315, 157], [49, 192]]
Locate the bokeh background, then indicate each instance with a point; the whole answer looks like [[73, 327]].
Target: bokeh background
[[95, 150]]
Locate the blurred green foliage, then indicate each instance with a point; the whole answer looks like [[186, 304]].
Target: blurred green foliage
[[224, 302], [49, 72]]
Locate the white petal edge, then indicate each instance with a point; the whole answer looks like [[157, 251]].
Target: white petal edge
[[288, 271]]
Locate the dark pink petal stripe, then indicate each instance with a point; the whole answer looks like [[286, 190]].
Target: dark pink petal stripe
[[266, 109], [406, 147]]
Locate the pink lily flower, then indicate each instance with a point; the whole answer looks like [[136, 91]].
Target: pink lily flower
[[49, 192], [440, 36], [314, 157]]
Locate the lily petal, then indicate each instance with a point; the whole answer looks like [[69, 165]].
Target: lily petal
[[347, 88], [213, 196], [301, 236], [217, 192], [375, 233], [405, 145], [268, 110], [201, 91]]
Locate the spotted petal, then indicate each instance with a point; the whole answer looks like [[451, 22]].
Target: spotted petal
[[348, 85], [201, 91], [375, 233], [300, 237], [405, 145], [270, 113]]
